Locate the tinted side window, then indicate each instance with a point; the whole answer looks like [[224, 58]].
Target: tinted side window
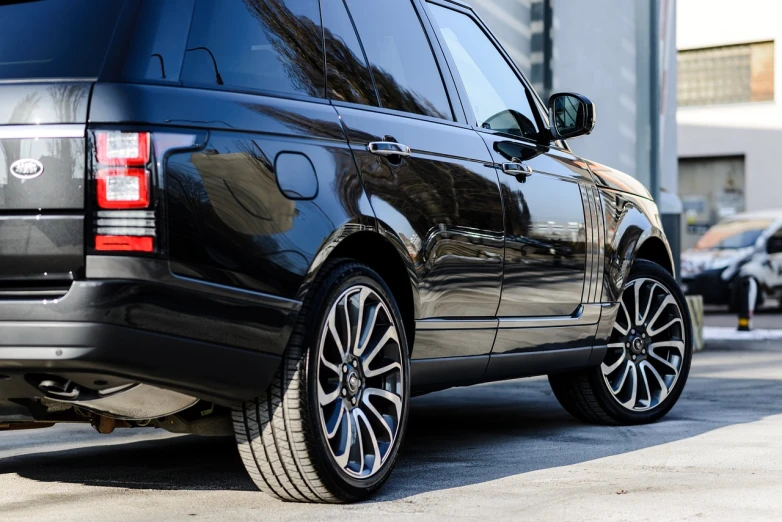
[[403, 66], [346, 67], [271, 45], [497, 96], [55, 39]]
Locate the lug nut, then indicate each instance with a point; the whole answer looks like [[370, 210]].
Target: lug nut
[[643, 352], [643, 336], [353, 401], [633, 357], [632, 331], [355, 363], [344, 368], [628, 345], [344, 392]]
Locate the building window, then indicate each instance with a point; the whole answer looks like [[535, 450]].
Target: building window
[[727, 74]]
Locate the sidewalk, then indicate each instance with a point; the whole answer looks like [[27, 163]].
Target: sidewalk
[[720, 332]]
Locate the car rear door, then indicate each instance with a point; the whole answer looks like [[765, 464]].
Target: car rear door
[[438, 196], [50, 54]]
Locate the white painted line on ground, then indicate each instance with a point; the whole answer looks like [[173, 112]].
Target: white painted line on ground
[[726, 333]]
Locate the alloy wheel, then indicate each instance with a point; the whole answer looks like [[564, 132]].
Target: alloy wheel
[[360, 381], [646, 349]]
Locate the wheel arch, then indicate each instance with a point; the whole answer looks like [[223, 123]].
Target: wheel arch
[[656, 250], [384, 252], [633, 231]]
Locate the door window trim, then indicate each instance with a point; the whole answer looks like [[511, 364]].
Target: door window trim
[[451, 92], [541, 118]]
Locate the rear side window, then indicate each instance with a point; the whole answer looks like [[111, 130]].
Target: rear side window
[[55, 38], [268, 45], [346, 67], [403, 65]]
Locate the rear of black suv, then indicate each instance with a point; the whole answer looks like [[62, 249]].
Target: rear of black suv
[[90, 312]]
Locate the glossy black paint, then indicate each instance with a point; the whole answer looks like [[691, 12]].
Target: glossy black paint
[[429, 375], [215, 372], [545, 250], [609, 178], [528, 364], [142, 294], [630, 222], [229, 223], [525, 340], [274, 186], [444, 204], [44, 103], [40, 250]]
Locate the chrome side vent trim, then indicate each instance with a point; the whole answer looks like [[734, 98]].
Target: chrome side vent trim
[[595, 244]]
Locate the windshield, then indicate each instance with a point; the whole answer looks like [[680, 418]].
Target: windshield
[[47, 39], [733, 234]]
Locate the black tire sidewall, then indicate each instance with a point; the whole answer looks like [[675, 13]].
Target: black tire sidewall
[[650, 270], [341, 277]]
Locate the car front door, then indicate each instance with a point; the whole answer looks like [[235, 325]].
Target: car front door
[[427, 173], [552, 216]]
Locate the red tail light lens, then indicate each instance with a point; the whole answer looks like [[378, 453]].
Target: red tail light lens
[[124, 244], [123, 188], [127, 149]]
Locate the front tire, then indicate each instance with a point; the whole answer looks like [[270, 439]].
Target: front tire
[[330, 426], [648, 357]]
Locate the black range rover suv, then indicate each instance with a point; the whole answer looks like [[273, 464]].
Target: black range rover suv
[[284, 218]]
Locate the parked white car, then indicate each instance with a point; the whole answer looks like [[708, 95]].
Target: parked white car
[[744, 245]]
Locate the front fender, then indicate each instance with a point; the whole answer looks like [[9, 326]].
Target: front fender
[[630, 223]]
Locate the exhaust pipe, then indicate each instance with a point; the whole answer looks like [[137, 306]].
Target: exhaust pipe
[[134, 401]]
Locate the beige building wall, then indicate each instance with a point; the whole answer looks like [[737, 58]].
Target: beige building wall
[[750, 129]]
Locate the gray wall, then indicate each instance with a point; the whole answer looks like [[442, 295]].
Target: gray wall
[[595, 53]]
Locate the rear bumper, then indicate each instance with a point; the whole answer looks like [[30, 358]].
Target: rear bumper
[[215, 343]]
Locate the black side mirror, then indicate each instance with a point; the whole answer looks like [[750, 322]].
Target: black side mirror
[[571, 115], [774, 245]]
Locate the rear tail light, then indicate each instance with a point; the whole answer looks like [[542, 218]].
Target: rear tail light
[[129, 149], [123, 188], [123, 191]]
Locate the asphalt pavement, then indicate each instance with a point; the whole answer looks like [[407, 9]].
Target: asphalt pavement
[[501, 451]]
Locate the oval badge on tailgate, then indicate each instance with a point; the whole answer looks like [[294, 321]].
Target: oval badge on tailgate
[[25, 169]]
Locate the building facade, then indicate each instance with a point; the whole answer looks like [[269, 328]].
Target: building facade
[[730, 119]]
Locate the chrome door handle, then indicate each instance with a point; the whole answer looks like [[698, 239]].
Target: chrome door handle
[[516, 169], [389, 148]]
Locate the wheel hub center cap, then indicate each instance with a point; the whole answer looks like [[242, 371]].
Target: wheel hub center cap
[[353, 382], [637, 345]]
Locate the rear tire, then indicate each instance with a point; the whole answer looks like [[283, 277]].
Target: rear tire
[[283, 436], [647, 364]]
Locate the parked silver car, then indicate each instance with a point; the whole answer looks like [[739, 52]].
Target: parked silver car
[[744, 245]]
